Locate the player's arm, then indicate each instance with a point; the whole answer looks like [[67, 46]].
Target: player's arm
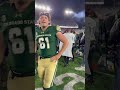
[[63, 39], [2, 48]]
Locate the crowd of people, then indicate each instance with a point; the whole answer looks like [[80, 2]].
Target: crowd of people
[[102, 33], [75, 47]]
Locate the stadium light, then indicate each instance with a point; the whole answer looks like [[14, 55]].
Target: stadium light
[[68, 12], [43, 7], [48, 9]]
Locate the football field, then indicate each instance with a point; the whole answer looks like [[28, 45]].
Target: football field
[[101, 82], [67, 78]]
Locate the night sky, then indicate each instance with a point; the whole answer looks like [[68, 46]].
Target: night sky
[[58, 7]]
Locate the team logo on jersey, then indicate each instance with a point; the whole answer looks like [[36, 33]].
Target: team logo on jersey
[[58, 28], [3, 18]]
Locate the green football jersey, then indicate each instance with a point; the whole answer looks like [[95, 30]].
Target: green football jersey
[[47, 41], [19, 35]]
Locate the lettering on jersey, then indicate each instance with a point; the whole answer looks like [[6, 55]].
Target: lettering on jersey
[[28, 22], [45, 35], [19, 22], [48, 35]]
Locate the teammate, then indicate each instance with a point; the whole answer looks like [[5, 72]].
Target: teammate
[[46, 40], [17, 33], [67, 54]]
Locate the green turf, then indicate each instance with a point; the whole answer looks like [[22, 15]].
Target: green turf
[[69, 69], [101, 82], [66, 80], [79, 86]]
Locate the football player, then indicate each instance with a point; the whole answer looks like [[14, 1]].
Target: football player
[[46, 40], [17, 33]]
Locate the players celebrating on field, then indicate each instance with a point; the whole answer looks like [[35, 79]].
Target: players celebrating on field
[[46, 41]]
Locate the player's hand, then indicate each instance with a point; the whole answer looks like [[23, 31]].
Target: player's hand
[[55, 58]]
